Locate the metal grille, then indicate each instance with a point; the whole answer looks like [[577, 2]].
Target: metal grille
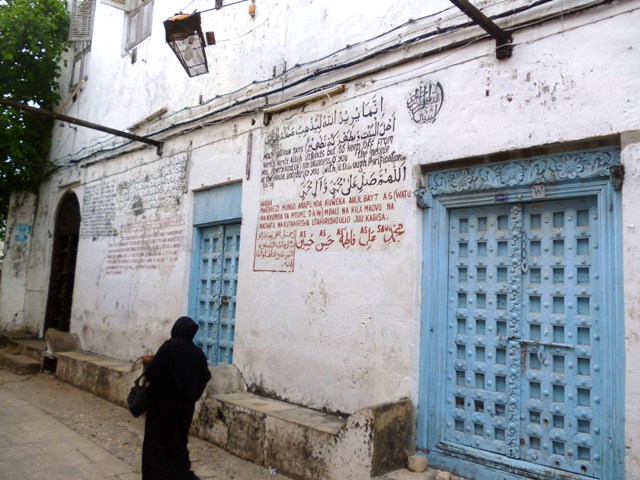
[[523, 338]]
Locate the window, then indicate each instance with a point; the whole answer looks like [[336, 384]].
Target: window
[[139, 22], [82, 14], [80, 67], [80, 31]]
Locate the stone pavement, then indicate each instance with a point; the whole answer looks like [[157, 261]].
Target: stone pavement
[[50, 430]]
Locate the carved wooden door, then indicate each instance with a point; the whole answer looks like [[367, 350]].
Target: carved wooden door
[[523, 340], [217, 265]]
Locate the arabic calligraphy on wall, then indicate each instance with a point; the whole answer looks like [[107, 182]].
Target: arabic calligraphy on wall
[[160, 187], [99, 210], [331, 181], [425, 101], [145, 246]]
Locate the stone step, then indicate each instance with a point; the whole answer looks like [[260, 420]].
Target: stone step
[[23, 343], [20, 352], [29, 347], [7, 337], [103, 376], [19, 363], [428, 474]]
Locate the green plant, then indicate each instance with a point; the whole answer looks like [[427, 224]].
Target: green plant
[[33, 37]]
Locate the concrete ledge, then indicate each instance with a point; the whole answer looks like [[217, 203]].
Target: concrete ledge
[[30, 347], [103, 376], [298, 442], [304, 443]]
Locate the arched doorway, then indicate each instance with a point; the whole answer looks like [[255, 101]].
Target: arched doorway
[[63, 264]]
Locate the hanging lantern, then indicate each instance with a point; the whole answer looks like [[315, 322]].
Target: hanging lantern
[[184, 36]]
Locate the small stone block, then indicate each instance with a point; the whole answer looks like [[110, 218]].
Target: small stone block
[[443, 476], [58, 341], [417, 463]]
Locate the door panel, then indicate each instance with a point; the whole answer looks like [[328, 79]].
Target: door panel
[[523, 353], [478, 390], [228, 289], [216, 290], [561, 335]]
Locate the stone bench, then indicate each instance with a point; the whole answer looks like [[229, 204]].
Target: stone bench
[[298, 442], [103, 376], [304, 443]]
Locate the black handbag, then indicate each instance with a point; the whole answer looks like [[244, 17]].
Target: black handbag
[[138, 399]]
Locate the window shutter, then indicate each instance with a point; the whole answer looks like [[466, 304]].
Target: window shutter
[[148, 20], [81, 20], [119, 4]]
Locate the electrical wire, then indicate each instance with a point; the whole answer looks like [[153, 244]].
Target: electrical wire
[[336, 52], [214, 8], [318, 73], [223, 6], [248, 32], [440, 31], [187, 6]]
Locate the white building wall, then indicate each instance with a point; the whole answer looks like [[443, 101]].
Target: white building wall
[[631, 158], [337, 328], [18, 245]]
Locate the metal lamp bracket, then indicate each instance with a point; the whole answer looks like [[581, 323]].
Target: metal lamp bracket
[[504, 40]]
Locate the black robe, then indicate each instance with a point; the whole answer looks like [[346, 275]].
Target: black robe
[[178, 375]]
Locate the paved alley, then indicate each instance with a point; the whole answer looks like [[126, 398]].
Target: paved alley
[[50, 430]]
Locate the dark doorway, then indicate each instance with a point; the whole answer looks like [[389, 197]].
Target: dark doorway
[[63, 264]]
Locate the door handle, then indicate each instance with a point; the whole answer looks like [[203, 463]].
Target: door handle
[[536, 343]]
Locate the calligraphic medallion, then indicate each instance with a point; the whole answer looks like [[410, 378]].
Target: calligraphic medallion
[[425, 102]]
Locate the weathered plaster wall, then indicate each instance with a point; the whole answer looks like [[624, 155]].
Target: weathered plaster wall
[[355, 307], [556, 87], [39, 263], [329, 256], [357, 304], [18, 244], [134, 246], [134, 241], [153, 78], [631, 223]]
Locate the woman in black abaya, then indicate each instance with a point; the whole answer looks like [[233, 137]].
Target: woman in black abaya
[[177, 375]]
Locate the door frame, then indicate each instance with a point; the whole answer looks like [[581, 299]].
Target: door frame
[[564, 176], [214, 206], [195, 274]]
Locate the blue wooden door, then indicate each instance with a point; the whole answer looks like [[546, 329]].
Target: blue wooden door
[[217, 276], [523, 342]]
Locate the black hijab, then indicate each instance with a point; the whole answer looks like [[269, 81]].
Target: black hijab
[[186, 372], [184, 328]]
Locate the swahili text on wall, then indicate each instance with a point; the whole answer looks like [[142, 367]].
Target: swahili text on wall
[[331, 181]]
